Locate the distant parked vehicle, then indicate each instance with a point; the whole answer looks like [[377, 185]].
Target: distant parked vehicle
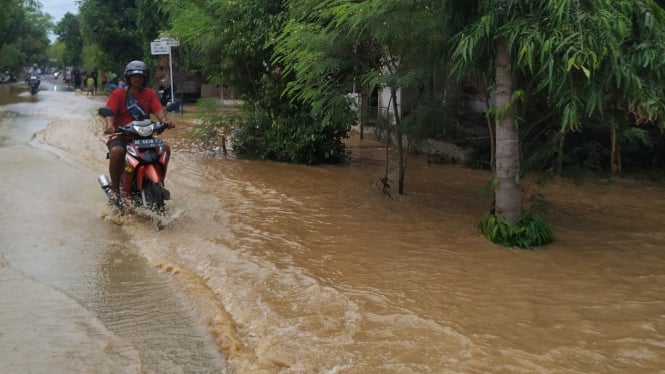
[[7, 77], [68, 74]]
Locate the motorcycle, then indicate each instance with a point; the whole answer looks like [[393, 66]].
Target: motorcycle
[[7, 77], [34, 84], [142, 182]]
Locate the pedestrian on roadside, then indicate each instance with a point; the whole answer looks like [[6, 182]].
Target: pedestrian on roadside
[[90, 85], [77, 78], [105, 79], [94, 78]]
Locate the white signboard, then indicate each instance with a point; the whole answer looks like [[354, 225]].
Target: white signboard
[[170, 42], [162, 46], [158, 48]]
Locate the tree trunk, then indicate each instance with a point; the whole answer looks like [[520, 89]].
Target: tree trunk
[[615, 157], [452, 103], [400, 141], [385, 180], [364, 108], [559, 159], [507, 194], [490, 131]]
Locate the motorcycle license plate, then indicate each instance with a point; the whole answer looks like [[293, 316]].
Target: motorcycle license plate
[[147, 143]]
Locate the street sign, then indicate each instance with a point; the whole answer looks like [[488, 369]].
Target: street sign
[[161, 46], [158, 48], [170, 42]]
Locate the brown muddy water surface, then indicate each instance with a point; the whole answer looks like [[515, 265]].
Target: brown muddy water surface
[[299, 269]]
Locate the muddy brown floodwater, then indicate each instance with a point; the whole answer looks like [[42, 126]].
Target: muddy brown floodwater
[[300, 269]]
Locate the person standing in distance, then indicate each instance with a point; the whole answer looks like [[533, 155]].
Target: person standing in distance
[[134, 102], [94, 75]]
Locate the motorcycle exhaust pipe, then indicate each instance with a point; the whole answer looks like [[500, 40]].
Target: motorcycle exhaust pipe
[[106, 185]]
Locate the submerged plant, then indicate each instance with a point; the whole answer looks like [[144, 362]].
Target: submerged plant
[[214, 124], [528, 231]]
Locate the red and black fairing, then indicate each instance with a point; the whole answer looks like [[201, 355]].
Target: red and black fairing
[[145, 157]]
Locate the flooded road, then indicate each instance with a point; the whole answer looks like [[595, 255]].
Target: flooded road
[[77, 296], [297, 269]]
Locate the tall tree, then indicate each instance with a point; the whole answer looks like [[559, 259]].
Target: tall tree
[[573, 51], [24, 40], [121, 30], [229, 37], [8, 8], [69, 33], [237, 50]]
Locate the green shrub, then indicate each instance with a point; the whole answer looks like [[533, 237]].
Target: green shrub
[[291, 133], [214, 124], [529, 231]]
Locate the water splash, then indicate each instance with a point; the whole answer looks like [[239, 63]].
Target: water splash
[[161, 221], [114, 216]]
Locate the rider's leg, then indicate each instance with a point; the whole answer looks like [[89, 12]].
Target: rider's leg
[[116, 161], [167, 150]]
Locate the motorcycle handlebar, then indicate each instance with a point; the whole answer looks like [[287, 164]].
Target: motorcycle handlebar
[[129, 128], [108, 112]]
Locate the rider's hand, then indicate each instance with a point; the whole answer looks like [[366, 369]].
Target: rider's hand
[[169, 124]]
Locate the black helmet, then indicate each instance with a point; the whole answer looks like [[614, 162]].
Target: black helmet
[[137, 67]]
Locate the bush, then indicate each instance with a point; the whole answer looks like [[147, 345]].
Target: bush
[[275, 128], [529, 231], [215, 124]]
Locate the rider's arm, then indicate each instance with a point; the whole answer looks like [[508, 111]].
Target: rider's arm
[[161, 117], [161, 112], [110, 127], [113, 103]]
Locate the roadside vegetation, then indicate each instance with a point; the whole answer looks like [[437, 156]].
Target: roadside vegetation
[[557, 88]]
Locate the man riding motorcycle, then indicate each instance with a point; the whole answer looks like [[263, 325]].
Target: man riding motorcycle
[[34, 71], [135, 102]]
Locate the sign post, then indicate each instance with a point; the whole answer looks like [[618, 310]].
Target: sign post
[[162, 46]]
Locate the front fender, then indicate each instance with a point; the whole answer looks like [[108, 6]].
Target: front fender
[[154, 172]]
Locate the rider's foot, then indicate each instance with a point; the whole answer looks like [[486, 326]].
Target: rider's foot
[[114, 200], [167, 194]]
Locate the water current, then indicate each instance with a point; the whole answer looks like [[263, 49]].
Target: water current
[[301, 269]]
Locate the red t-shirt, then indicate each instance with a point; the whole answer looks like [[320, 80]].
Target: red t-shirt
[[147, 98]]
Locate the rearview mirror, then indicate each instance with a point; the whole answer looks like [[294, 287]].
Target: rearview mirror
[[105, 112], [173, 107]]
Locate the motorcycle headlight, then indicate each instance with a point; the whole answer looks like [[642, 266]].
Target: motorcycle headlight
[[144, 130]]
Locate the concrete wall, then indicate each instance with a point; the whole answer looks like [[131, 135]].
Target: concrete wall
[[210, 90], [384, 102]]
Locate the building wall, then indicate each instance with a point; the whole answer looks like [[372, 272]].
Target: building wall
[[384, 102]]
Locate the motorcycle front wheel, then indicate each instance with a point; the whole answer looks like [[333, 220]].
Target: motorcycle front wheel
[[154, 197]]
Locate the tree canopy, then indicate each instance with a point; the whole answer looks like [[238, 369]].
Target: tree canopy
[[68, 31], [23, 34]]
